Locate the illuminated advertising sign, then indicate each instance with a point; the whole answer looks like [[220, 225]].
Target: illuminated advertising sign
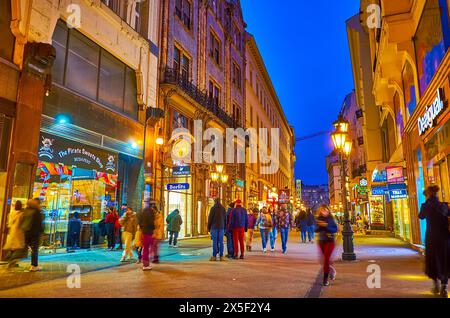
[[428, 120], [395, 174]]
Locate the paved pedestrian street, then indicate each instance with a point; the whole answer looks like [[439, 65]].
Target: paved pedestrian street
[[186, 272]]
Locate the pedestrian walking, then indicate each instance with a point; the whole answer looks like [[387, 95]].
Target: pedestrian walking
[[302, 225], [15, 241], [274, 231], [174, 222], [128, 222], [265, 226], [217, 222], [437, 240], [239, 226], [33, 228], [228, 233], [158, 234], [251, 228], [311, 224], [326, 228], [73, 232], [110, 223], [284, 224], [146, 222]]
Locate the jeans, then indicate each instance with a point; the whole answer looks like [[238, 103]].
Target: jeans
[[327, 249], [230, 245], [73, 240], [303, 230], [173, 238], [264, 237], [128, 239], [33, 242], [311, 233], [273, 237], [238, 240], [217, 238], [284, 232], [147, 248], [111, 235]]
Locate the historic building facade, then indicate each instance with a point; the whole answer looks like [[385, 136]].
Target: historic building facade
[[409, 76], [88, 73], [202, 69], [264, 110]]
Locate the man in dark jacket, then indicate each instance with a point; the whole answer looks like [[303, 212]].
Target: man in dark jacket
[[229, 233], [238, 225], [33, 227], [311, 225], [146, 221], [217, 222], [174, 222], [73, 232]]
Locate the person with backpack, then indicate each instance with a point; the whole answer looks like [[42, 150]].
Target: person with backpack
[[15, 241], [437, 240], [33, 228], [174, 222], [217, 222], [146, 221], [265, 227]]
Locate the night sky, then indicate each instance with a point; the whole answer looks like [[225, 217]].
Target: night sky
[[304, 45]]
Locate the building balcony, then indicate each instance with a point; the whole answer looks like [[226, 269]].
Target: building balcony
[[171, 76]]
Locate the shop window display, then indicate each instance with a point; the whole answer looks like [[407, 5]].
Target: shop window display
[[409, 89], [429, 43]]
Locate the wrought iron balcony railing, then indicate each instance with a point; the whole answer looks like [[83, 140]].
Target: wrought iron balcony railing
[[172, 76]]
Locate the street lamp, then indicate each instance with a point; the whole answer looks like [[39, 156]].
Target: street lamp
[[218, 175], [343, 145]]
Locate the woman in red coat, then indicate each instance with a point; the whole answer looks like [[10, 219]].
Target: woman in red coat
[[112, 218]]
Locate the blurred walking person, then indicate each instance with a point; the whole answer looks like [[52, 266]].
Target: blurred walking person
[[15, 241], [274, 230], [265, 227], [251, 228], [73, 232], [311, 224], [326, 228], [33, 228], [128, 223], [437, 240], [110, 223], [239, 226], [302, 225], [158, 234], [284, 224], [146, 222], [217, 222]]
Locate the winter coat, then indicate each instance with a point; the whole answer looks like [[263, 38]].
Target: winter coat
[[251, 221], [302, 221], [74, 226], [327, 233], [311, 220], [437, 238], [264, 221], [217, 219], [111, 218], [158, 232], [284, 219], [146, 221], [32, 223], [239, 218], [16, 237], [174, 222], [129, 223]]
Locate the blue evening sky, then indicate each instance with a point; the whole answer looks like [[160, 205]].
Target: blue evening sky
[[304, 45]]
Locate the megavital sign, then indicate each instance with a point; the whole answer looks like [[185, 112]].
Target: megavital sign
[[432, 112]]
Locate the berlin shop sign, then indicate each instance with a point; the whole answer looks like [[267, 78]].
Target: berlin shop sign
[[427, 121]]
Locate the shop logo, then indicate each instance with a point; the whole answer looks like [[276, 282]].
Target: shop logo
[[46, 149], [111, 165], [427, 121]]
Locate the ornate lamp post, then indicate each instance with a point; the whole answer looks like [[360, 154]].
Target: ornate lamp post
[[343, 146], [219, 176]]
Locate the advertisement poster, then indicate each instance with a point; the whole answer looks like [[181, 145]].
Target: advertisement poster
[[377, 211], [395, 174]]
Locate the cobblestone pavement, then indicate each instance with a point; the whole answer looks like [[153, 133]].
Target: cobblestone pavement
[[188, 273]]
